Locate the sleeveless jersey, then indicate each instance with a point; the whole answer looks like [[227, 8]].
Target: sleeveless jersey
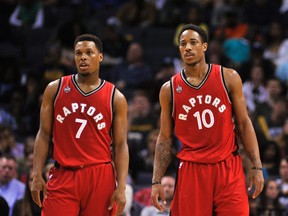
[[203, 117], [82, 124]]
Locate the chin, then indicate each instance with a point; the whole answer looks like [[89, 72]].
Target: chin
[[84, 73]]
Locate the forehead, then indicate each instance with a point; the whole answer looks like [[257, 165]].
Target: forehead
[[168, 180], [189, 34], [5, 161], [85, 45]]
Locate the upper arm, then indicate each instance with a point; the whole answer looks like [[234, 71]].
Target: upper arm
[[234, 85], [166, 120], [119, 118], [46, 112]]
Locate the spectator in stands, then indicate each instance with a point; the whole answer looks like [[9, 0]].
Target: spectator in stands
[[6, 118], [165, 72], [141, 120], [168, 183], [53, 68], [143, 196], [276, 49], [215, 53], [282, 140], [276, 119], [115, 44], [142, 161], [254, 89], [26, 163], [10, 188], [268, 203], [270, 154], [133, 73], [282, 181], [31, 103], [26, 206], [129, 200], [263, 110], [232, 26], [9, 144]]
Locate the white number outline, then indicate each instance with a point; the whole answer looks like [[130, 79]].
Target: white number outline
[[201, 120], [81, 128]]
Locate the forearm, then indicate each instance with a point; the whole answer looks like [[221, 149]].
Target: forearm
[[249, 141], [41, 149], [162, 159], [121, 164]]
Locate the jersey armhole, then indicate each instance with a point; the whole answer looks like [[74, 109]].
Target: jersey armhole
[[112, 101], [224, 83], [172, 97], [58, 90]]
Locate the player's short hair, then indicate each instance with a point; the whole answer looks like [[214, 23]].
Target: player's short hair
[[90, 37], [196, 28]]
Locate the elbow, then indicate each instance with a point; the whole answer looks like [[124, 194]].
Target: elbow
[[243, 125]]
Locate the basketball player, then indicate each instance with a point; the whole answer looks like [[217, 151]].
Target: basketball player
[[201, 104], [85, 115]]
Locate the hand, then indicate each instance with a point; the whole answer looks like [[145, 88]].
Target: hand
[[256, 178], [158, 191], [38, 185], [120, 199]]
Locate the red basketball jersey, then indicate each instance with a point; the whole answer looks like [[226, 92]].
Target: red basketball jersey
[[203, 117], [82, 124]]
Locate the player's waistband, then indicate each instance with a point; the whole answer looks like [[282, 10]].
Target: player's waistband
[[58, 166]]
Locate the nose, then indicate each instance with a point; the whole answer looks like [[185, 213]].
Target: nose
[[188, 46], [83, 56]]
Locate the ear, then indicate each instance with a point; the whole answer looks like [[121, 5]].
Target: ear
[[100, 57], [205, 47]]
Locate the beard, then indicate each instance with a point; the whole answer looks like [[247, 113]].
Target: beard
[[84, 74]]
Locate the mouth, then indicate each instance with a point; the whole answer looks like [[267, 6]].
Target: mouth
[[83, 66], [189, 55]]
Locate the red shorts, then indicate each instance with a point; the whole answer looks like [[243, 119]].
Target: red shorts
[[211, 189], [84, 191]]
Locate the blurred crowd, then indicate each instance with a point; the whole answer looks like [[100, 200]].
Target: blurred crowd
[[140, 54]]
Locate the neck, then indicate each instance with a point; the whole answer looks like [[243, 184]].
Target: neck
[[197, 70]]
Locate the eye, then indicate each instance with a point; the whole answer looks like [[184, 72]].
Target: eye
[[78, 53], [183, 44], [194, 43], [89, 52]]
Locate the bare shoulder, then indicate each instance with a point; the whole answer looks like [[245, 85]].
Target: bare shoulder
[[165, 89], [232, 78], [119, 99], [52, 88]]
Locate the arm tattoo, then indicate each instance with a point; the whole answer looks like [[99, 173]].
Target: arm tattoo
[[253, 158], [162, 158]]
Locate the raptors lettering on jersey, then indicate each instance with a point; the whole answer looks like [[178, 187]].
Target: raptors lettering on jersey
[[200, 99], [82, 108]]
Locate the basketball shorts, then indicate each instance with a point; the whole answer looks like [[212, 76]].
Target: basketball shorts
[[80, 192], [211, 189]]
